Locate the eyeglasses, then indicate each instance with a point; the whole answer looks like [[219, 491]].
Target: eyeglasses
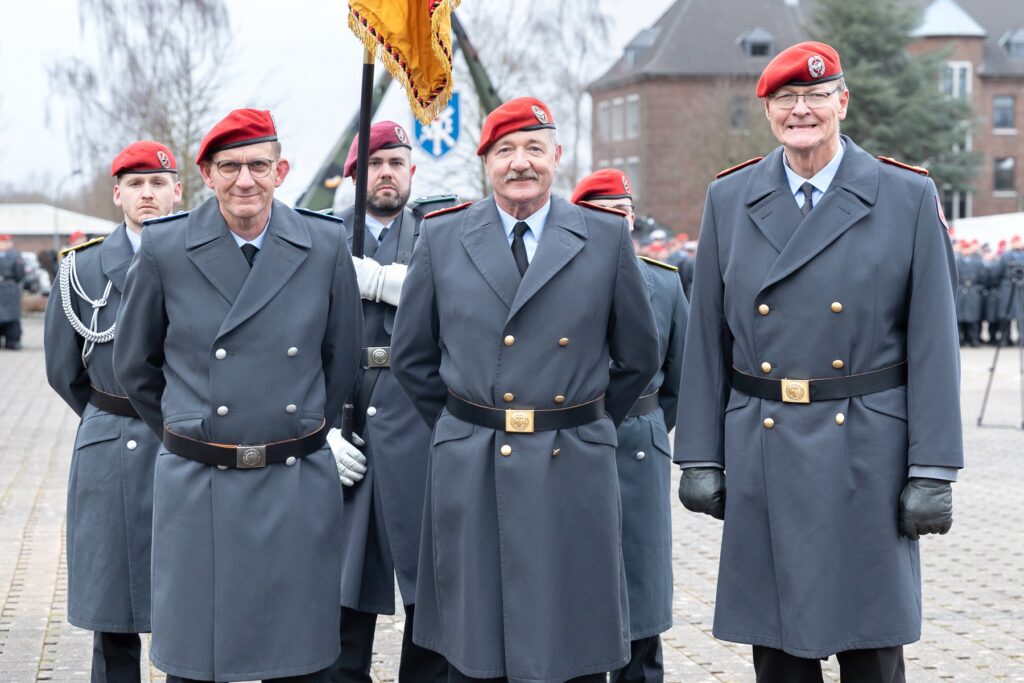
[[258, 168], [814, 100]]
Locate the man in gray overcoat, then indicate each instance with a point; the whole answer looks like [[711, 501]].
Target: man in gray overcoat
[[1011, 292], [383, 513], [643, 457], [110, 486], [823, 368], [238, 339], [12, 273], [512, 310], [970, 294]]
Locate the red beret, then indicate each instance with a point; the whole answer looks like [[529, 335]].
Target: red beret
[[145, 156], [802, 64], [77, 234], [6, 238], [239, 128], [608, 183], [522, 113], [383, 135]]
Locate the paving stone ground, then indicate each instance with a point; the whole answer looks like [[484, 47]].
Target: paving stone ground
[[973, 577]]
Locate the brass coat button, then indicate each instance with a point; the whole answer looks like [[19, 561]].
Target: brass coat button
[[838, 364], [509, 396], [766, 367], [510, 340], [840, 418], [836, 307], [763, 309], [220, 354], [506, 450], [564, 341], [769, 423], [559, 399]]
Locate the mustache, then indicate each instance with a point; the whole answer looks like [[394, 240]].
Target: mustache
[[523, 175]]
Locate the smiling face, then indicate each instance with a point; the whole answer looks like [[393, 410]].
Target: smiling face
[[245, 200], [146, 195], [808, 133], [521, 167]]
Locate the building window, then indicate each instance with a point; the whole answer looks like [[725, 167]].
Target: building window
[[1004, 175], [1013, 43], [757, 43], [603, 122], [618, 118], [1003, 112], [738, 111], [955, 205], [632, 117], [956, 80], [633, 173]]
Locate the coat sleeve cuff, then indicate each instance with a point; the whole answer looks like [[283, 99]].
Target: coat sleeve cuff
[[931, 472], [708, 463]]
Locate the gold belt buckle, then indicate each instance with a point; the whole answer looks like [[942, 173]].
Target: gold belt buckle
[[796, 391], [519, 421]]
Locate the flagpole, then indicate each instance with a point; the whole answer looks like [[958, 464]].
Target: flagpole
[[363, 155]]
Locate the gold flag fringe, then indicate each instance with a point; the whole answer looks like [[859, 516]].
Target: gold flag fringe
[[425, 106]]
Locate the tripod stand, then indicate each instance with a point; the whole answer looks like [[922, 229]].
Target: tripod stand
[[1016, 285]]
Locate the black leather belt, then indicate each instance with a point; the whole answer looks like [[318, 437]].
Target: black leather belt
[[645, 404], [245, 457], [376, 357], [526, 420], [112, 403], [810, 390]]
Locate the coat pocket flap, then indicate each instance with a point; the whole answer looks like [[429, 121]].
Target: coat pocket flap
[[599, 431], [737, 399], [891, 402], [659, 437], [450, 428], [97, 429]]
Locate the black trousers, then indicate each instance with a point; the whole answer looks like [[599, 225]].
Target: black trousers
[[115, 657], [645, 663], [417, 664], [11, 332], [456, 676], [322, 676], [878, 665]]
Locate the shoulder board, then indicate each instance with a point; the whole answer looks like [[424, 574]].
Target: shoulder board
[[748, 162], [655, 262], [894, 162], [83, 245], [449, 209], [168, 217], [320, 214], [435, 198], [606, 209]]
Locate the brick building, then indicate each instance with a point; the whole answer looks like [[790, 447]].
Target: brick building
[[678, 105]]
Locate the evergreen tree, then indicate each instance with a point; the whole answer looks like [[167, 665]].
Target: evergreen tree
[[897, 108]]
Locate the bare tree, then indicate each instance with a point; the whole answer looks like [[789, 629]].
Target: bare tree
[[156, 75]]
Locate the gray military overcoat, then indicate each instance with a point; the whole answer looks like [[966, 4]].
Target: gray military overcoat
[[384, 512], [1011, 299], [110, 486], [245, 561], [644, 459], [12, 272], [521, 571], [812, 559], [970, 294]]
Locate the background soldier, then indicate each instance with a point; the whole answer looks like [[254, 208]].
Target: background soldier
[[511, 312], [801, 274], [12, 272], [241, 325], [970, 295], [991, 309], [382, 515], [1011, 292], [110, 487], [643, 457]]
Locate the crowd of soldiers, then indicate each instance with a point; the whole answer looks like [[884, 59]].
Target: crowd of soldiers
[[990, 295], [512, 369]]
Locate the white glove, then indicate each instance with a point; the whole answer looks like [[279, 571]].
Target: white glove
[[379, 283], [350, 461]]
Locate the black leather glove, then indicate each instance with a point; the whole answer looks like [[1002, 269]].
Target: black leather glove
[[702, 489], [926, 507]]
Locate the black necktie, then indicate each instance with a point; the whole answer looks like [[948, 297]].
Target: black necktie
[[380, 237], [807, 189], [249, 251], [519, 247]]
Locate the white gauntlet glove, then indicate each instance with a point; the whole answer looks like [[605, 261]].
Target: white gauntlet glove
[[350, 461], [379, 283]]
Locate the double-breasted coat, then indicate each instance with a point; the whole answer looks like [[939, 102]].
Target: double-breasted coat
[[521, 571], [1011, 295], [644, 461], [245, 561], [12, 272], [812, 559], [970, 294], [383, 514], [110, 485]]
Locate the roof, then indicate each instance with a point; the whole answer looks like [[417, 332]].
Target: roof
[[705, 37], [43, 219]]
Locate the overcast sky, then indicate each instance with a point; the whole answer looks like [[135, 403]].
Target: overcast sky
[[302, 62]]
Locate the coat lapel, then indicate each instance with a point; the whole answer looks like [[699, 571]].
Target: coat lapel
[[846, 202], [564, 235], [769, 204], [213, 251], [484, 240], [116, 255], [284, 249], [369, 241]]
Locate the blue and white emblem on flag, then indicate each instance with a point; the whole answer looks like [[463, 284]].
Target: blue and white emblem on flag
[[439, 136]]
